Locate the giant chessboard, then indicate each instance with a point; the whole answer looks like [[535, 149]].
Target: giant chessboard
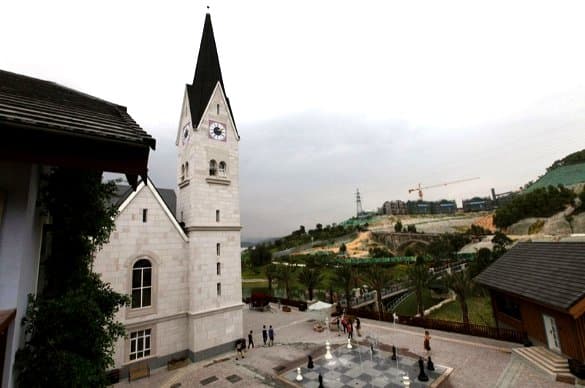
[[357, 367]]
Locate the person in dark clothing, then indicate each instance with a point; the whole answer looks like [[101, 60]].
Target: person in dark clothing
[[358, 326], [427, 342], [239, 346], [270, 336], [264, 334], [250, 340]]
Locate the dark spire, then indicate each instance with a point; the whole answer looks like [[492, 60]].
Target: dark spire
[[207, 73]]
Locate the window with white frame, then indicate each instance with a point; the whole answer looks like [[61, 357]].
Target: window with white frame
[[140, 342], [141, 284], [222, 169], [212, 167]]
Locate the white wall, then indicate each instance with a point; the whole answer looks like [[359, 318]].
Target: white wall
[[20, 236]]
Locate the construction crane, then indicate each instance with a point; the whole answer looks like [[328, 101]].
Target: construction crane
[[420, 189]]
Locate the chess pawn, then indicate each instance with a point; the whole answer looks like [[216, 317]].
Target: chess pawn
[[320, 381], [349, 344], [421, 375], [328, 355], [430, 365], [299, 376], [310, 363], [393, 353]]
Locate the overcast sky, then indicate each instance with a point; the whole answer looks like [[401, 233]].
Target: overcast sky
[[330, 96]]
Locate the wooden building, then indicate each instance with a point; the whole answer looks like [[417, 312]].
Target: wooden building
[[539, 288]]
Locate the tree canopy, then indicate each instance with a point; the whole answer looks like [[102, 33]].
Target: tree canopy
[[70, 324]]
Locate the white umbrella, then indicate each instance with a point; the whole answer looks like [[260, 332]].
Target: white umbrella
[[323, 310]]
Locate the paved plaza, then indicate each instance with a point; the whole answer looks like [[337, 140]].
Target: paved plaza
[[476, 362]]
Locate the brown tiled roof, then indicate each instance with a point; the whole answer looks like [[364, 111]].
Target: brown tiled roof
[[549, 273], [48, 106]]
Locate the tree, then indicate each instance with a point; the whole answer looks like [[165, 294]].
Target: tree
[[462, 285], [286, 272], [377, 277], [482, 261], [260, 256], [344, 276], [398, 226], [271, 272], [70, 325], [501, 243], [310, 278], [420, 278], [411, 228], [342, 249]]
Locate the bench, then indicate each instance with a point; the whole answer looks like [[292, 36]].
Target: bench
[[138, 371]]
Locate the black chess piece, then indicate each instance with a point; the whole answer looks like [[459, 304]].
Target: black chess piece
[[430, 365], [393, 353], [372, 348], [310, 363], [422, 375], [320, 381]]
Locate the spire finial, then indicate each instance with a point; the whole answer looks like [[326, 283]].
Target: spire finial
[[208, 7]]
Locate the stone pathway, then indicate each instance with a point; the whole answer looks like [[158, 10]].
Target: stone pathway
[[476, 362]]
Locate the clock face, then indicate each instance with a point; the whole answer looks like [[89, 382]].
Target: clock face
[[217, 130], [186, 133]]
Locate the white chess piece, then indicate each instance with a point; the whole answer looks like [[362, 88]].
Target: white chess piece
[[349, 344], [299, 376], [328, 355]]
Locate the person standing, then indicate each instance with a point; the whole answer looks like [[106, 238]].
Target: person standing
[[264, 334], [358, 326], [427, 342], [250, 340], [338, 326], [349, 330], [270, 336]]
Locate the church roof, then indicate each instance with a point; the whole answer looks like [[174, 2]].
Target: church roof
[[123, 191], [207, 75]]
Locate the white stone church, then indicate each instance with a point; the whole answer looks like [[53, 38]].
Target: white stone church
[[177, 252]]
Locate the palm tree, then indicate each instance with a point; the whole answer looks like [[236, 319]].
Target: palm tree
[[420, 278], [462, 285], [310, 278], [271, 273], [377, 277], [344, 276], [285, 275]]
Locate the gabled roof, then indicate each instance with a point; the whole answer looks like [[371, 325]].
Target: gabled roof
[[207, 75], [128, 196], [48, 105], [550, 274], [123, 192]]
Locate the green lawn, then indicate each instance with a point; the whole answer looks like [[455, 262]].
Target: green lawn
[[408, 307], [480, 311]]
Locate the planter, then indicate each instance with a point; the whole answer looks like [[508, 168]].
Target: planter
[[176, 364]]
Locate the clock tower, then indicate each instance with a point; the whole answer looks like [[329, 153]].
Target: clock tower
[[208, 204]]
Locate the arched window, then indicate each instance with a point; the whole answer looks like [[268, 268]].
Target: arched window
[[212, 168], [141, 284], [187, 169], [182, 172], [218, 249], [222, 168]]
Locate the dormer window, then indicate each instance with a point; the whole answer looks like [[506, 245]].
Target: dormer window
[[217, 108], [212, 168]]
